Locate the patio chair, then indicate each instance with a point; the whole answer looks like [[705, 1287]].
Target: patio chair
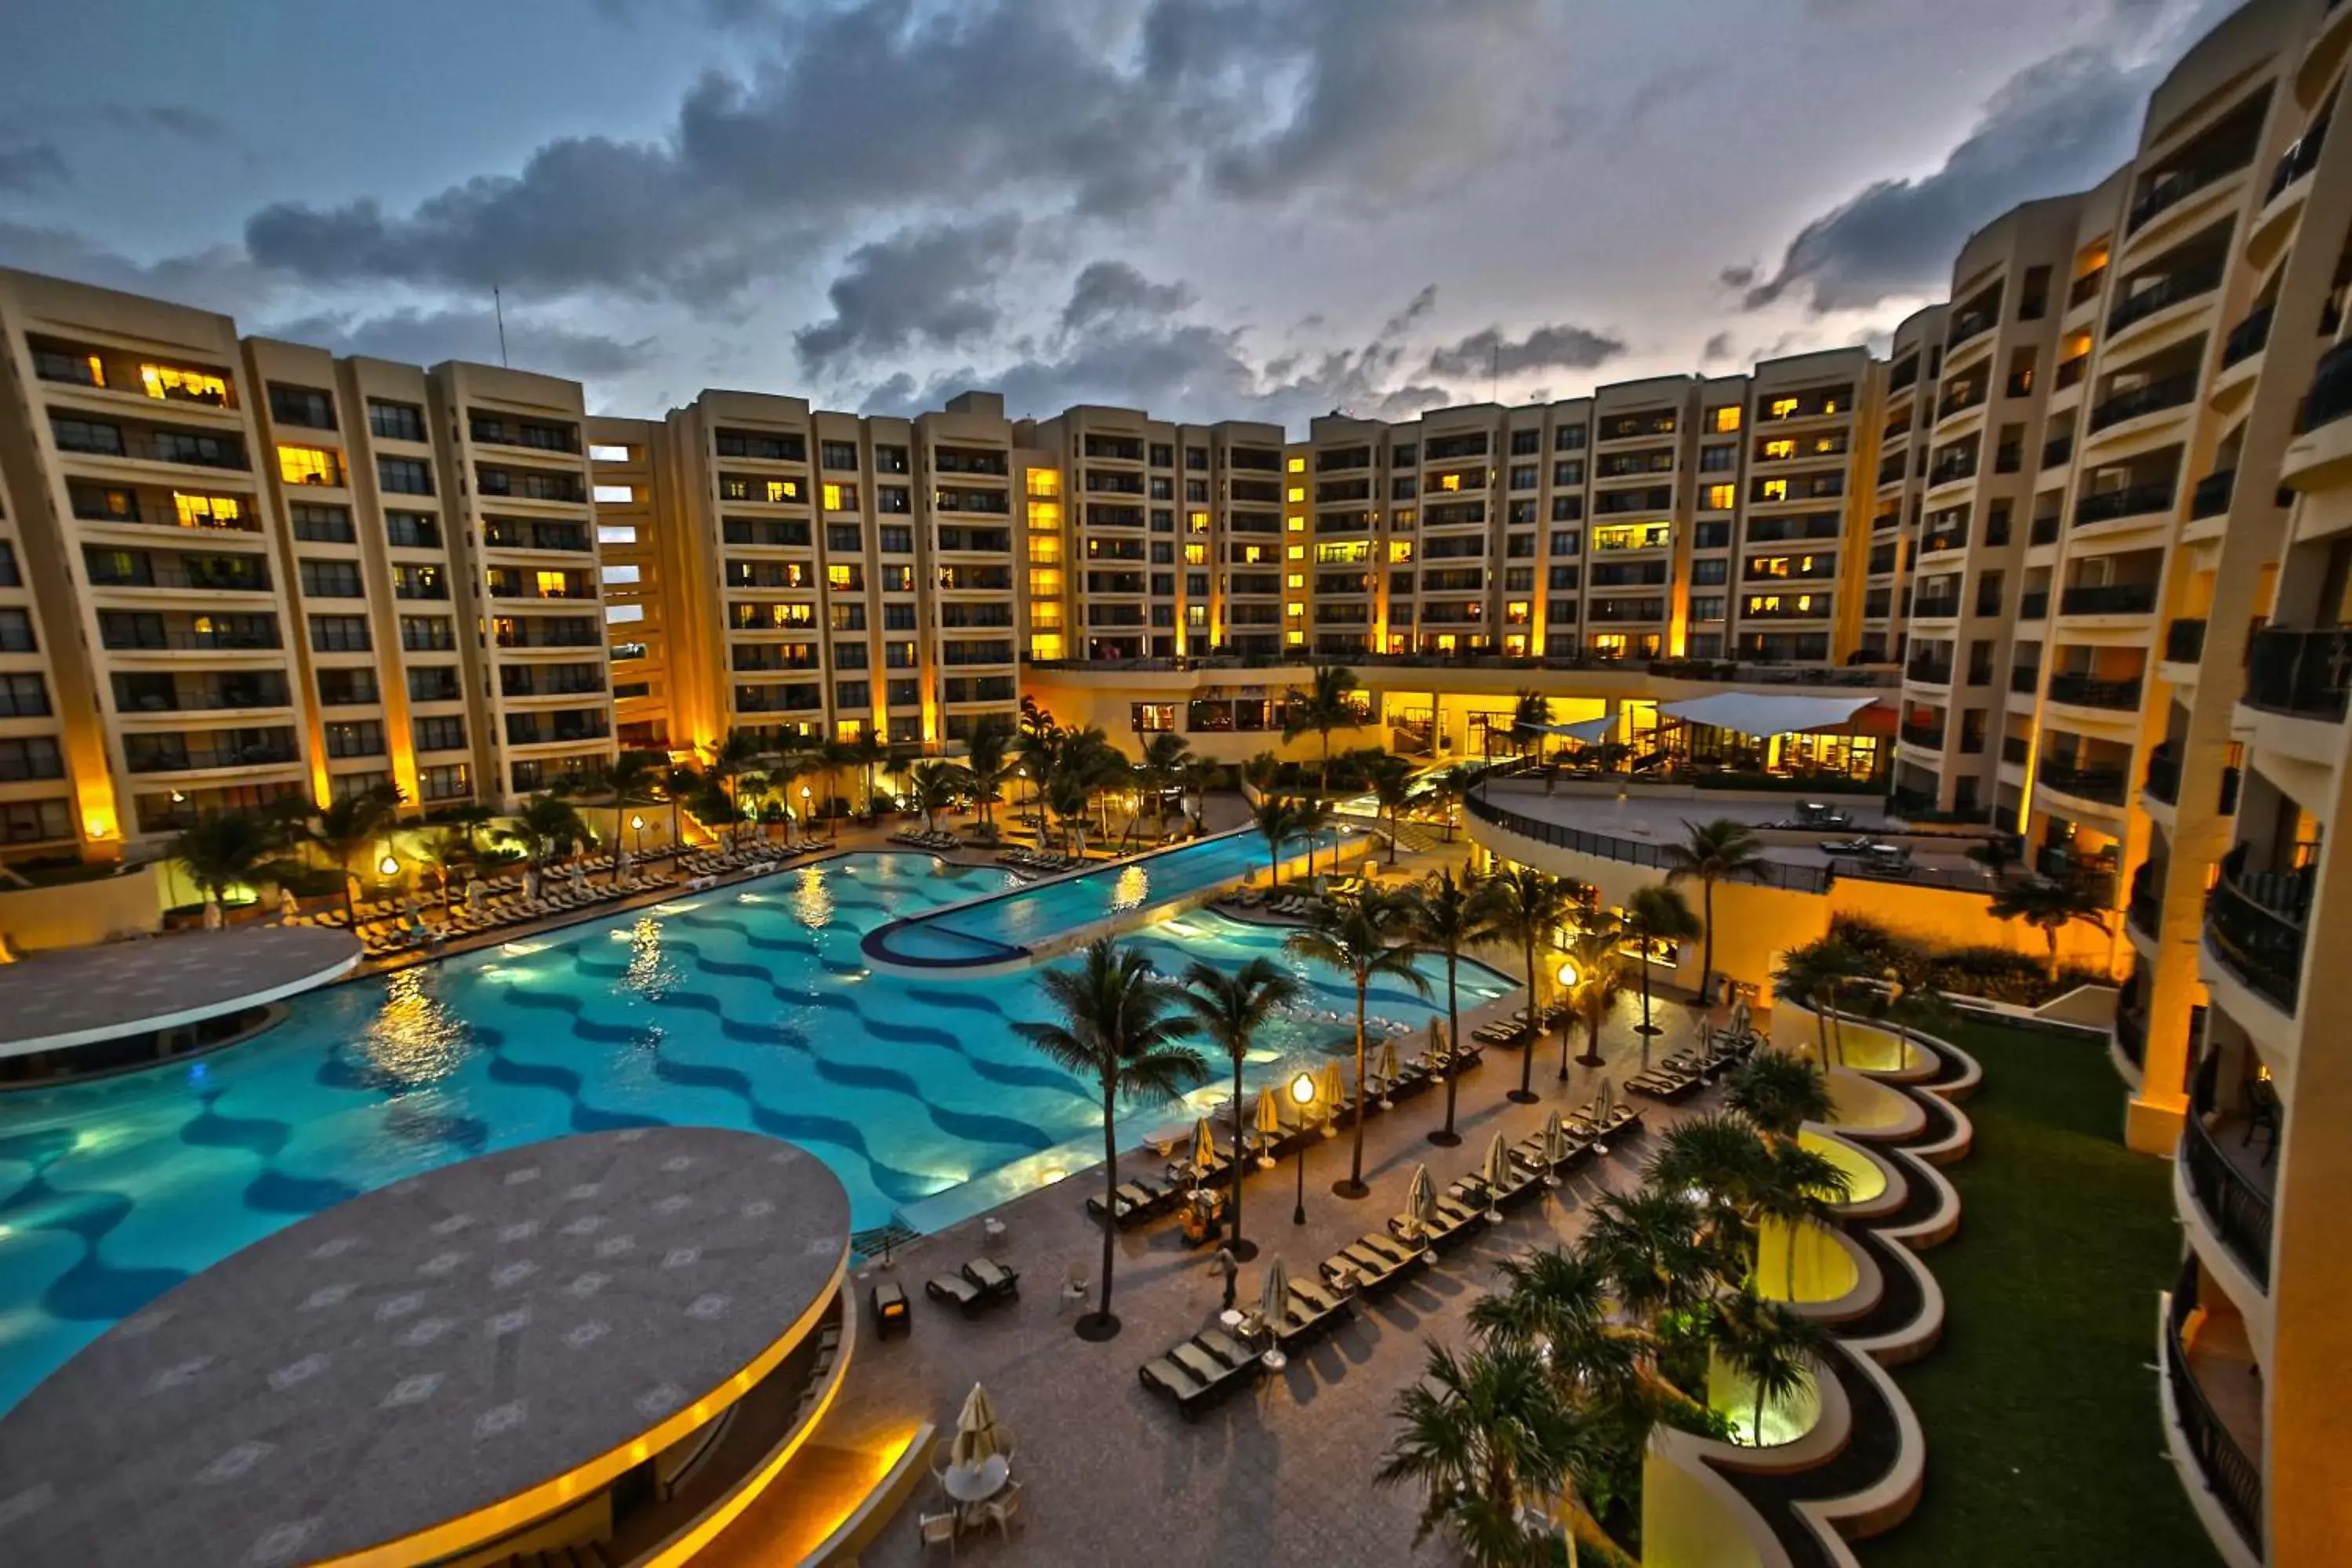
[[940, 1527], [1073, 1282], [1003, 1510]]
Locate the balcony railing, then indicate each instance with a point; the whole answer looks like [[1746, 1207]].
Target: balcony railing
[[2212, 496], [168, 754], [2233, 1478], [2247, 337], [1960, 399], [2168, 392], [2163, 780], [2131, 501], [2255, 921], [2033, 606], [1966, 325], [2056, 450], [1796, 878], [2184, 639], [2188, 283], [2084, 691], [2309, 674], [2025, 678], [2330, 397], [2131, 1032], [2297, 161], [2176, 184], [2109, 599], [1925, 609], [2016, 749], [2085, 784], [1928, 735], [2088, 286], [2235, 1205], [1930, 671], [205, 452], [2144, 910]]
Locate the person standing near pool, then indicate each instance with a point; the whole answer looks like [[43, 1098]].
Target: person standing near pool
[[1225, 1265]]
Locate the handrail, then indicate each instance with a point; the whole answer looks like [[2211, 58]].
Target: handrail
[[2236, 1480], [2261, 941], [1773, 874], [2240, 1212]]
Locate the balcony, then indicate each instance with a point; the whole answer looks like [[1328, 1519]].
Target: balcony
[[2016, 749], [2174, 185], [2086, 288], [2330, 397], [1931, 736], [224, 574], [2188, 283], [2235, 1480], [2163, 778], [2297, 161], [2166, 392], [2103, 785], [2109, 599], [1930, 671], [2254, 923], [2056, 450], [2212, 496], [201, 751], [2184, 639], [1960, 399], [2033, 606], [2131, 501], [1969, 324], [1925, 609], [1944, 539], [2248, 337], [2305, 674], [2084, 691], [190, 449], [2231, 1190], [2025, 678], [2144, 910]]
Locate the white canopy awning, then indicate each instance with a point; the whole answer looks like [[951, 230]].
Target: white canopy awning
[[1765, 713], [1588, 730]]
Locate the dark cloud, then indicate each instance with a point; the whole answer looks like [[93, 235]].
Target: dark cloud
[[1718, 348], [221, 278], [35, 165], [1558, 347], [428, 337], [1107, 288], [931, 286], [180, 120], [2060, 124], [877, 108]]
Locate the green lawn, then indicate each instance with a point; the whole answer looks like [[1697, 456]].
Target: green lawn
[[2041, 1413]]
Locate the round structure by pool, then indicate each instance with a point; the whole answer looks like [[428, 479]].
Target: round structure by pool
[[430, 1366]]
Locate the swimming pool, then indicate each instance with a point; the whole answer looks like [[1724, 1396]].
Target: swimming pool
[[1000, 927], [748, 1007]]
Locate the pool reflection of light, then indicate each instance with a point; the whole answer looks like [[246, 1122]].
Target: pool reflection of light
[[650, 976], [1133, 885], [813, 903], [413, 1039]]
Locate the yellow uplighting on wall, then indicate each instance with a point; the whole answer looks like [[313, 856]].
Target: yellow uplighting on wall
[[1298, 494], [1296, 524], [1298, 464]]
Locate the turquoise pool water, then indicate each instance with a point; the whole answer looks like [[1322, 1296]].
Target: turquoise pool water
[[747, 1008], [995, 929]]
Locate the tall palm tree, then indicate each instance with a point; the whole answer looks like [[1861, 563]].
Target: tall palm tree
[[1276, 821], [833, 758], [1774, 1348], [867, 752], [1229, 1008], [346, 830], [1327, 704], [1445, 918], [443, 852], [1779, 1092], [546, 829], [1069, 799], [1720, 851], [1158, 774], [1656, 914], [1446, 789], [1362, 938], [987, 760], [679, 785], [1649, 1244], [1194, 778], [1119, 1029], [629, 780], [1315, 818], [1800, 1188], [732, 754], [1597, 952], [1811, 976], [1393, 789], [1525, 906], [222, 849], [1531, 712], [1489, 1438], [937, 786], [2049, 908]]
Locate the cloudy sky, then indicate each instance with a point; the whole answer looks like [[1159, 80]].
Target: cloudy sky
[[1210, 208]]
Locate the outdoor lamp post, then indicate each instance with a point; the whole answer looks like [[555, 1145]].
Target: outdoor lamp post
[[637, 828], [1567, 976], [1302, 1095], [389, 867]]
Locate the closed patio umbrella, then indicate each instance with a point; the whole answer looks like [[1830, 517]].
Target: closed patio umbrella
[[289, 906], [1606, 1100], [530, 883], [1274, 1298], [1555, 1149], [478, 896], [1386, 1070], [1331, 1090], [1437, 1052], [213, 918], [1269, 1125], [978, 1437], [1496, 1173], [579, 878], [1739, 1018], [1204, 1149], [1421, 1202]]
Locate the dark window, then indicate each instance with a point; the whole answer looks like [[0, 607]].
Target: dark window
[[405, 476], [321, 525], [330, 580], [412, 529], [396, 421], [303, 405], [339, 634], [445, 732]]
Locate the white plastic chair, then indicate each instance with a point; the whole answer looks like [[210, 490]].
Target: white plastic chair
[[939, 1527], [1003, 1510]]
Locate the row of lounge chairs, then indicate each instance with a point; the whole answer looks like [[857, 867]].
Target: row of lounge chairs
[[938, 842], [1204, 1368], [980, 1285], [705, 866], [1039, 860], [410, 932], [1143, 1198], [1682, 1074], [1514, 1029]]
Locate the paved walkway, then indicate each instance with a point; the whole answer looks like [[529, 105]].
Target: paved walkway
[[1279, 1475]]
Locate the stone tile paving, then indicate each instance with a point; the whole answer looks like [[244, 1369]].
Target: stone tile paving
[[1281, 1474]]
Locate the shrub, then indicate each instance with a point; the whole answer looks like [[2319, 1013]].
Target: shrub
[[1995, 973]]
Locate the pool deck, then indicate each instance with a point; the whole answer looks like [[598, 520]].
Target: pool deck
[[1277, 1474], [1660, 822]]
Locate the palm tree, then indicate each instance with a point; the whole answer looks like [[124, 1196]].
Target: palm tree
[[865, 751], [1649, 1244], [1445, 918], [832, 757], [732, 755], [986, 760], [444, 852], [629, 779], [1996, 855], [1597, 953], [1490, 1438], [677, 786], [1529, 715], [2050, 908], [1276, 820], [1393, 789], [348, 829], [1446, 789], [1810, 976], [1315, 818], [1799, 1187], [1774, 1348], [222, 849], [937, 786], [1229, 1009], [1327, 704], [1069, 799], [1656, 914], [1721, 851], [548, 828], [1157, 774], [1779, 1092], [1525, 906], [1195, 777], [1357, 938], [1117, 1029]]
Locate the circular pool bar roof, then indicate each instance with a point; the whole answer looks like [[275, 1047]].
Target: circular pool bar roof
[[91, 993], [434, 1363]]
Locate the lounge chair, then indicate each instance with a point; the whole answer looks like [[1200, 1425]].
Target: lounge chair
[[983, 1284], [1198, 1369]]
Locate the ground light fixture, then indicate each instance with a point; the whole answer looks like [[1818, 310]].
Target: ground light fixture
[[1302, 1095]]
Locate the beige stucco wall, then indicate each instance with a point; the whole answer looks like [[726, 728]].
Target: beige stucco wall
[[76, 914]]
